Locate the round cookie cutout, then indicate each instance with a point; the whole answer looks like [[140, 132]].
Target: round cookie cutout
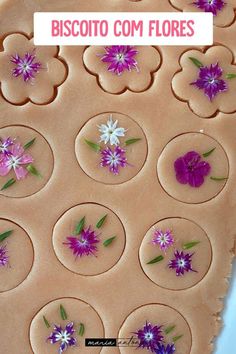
[[95, 156], [102, 231], [156, 315], [41, 153], [61, 313], [16, 255], [183, 236], [188, 159]]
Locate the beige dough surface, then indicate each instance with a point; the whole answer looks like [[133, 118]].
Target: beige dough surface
[[120, 295]]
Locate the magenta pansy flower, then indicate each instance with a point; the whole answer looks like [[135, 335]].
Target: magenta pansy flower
[[113, 159], [84, 244], [213, 6], [190, 169], [26, 66], [120, 58], [181, 263], [17, 160], [210, 80], [4, 258], [164, 239], [63, 336], [149, 336]]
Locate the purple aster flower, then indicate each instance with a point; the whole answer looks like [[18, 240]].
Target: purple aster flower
[[189, 169], [4, 146], [210, 5], [168, 349], [84, 244], [3, 256], [113, 159], [120, 58], [181, 263], [149, 337], [210, 80], [16, 160], [164, 239], [63, 336], [26, 66]]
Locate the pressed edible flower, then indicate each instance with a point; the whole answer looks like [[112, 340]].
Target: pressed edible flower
[[120, 58], [190, 169]]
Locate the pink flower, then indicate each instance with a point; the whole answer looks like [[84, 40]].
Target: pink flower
[[164, 239], [85, 244], [16, 160]]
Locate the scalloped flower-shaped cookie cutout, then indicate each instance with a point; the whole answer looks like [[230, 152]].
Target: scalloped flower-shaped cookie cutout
[[223, 11], [121, 68], [207, 81], [29, 73]]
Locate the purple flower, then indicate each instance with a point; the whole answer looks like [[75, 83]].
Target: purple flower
[[168, 349], [210, 80], [16, 159], [189, 169], [26, 66], [210, 5], [84, 244], [4, 147], [113, 159], [149, 336], [3, 256], [181, 263], [120, 58], [163, 238], [64, 336]]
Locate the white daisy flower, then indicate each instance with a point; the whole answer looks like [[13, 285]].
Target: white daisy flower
[[110, 132]]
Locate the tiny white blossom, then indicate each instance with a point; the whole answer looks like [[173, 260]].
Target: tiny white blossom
[[110, 132]]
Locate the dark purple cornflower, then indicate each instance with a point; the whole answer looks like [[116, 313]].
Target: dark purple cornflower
[[26, 66], [4, 146], [113, 159], [210, 5], [189, 169], [63, 336], [3, 256], [210, 80], [165, 349], [164, 239], [181, 263], [83, 244], [120, 58], [149, 336]]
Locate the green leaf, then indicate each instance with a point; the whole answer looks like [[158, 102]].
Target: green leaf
[[29, 144], [169, 329], [155, 260], [93, 146], [196, 62], [177, 338], [101, 222], [108, 241], [63, 313], [132, 141], [33, 170], [230, 76], [46, 322], [5, 234], [9, 183], [81, 330], [189, 245], [80, 226], [219, 179], [208, 153]]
